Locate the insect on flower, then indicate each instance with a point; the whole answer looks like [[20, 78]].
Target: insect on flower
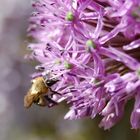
[[93, 47], [40, 93]]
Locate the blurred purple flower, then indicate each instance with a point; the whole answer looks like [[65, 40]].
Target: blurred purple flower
[[92, 48]]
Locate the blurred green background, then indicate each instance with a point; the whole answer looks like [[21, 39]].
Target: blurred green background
[[17, 123]]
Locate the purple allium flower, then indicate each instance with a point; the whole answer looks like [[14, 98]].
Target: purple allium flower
[[92, 48]]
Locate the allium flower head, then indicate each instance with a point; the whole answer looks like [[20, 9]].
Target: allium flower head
[[92, 48]]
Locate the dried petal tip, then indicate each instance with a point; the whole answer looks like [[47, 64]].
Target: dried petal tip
[[69, 16], [58, 62], [90, 44]]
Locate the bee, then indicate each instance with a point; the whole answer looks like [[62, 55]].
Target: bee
[[40, 93]]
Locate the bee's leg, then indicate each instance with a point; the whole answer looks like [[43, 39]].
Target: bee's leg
[[51, 102], [54, 92]]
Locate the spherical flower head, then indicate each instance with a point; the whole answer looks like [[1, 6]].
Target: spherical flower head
[[92, 49]]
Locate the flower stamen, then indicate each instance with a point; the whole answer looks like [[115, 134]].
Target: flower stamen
[[90, 44], [69, 16], [67, 65]]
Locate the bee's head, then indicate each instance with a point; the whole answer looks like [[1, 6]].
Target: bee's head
[[50, 82]]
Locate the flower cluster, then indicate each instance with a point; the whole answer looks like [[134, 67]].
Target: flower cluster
[[92, 48]]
